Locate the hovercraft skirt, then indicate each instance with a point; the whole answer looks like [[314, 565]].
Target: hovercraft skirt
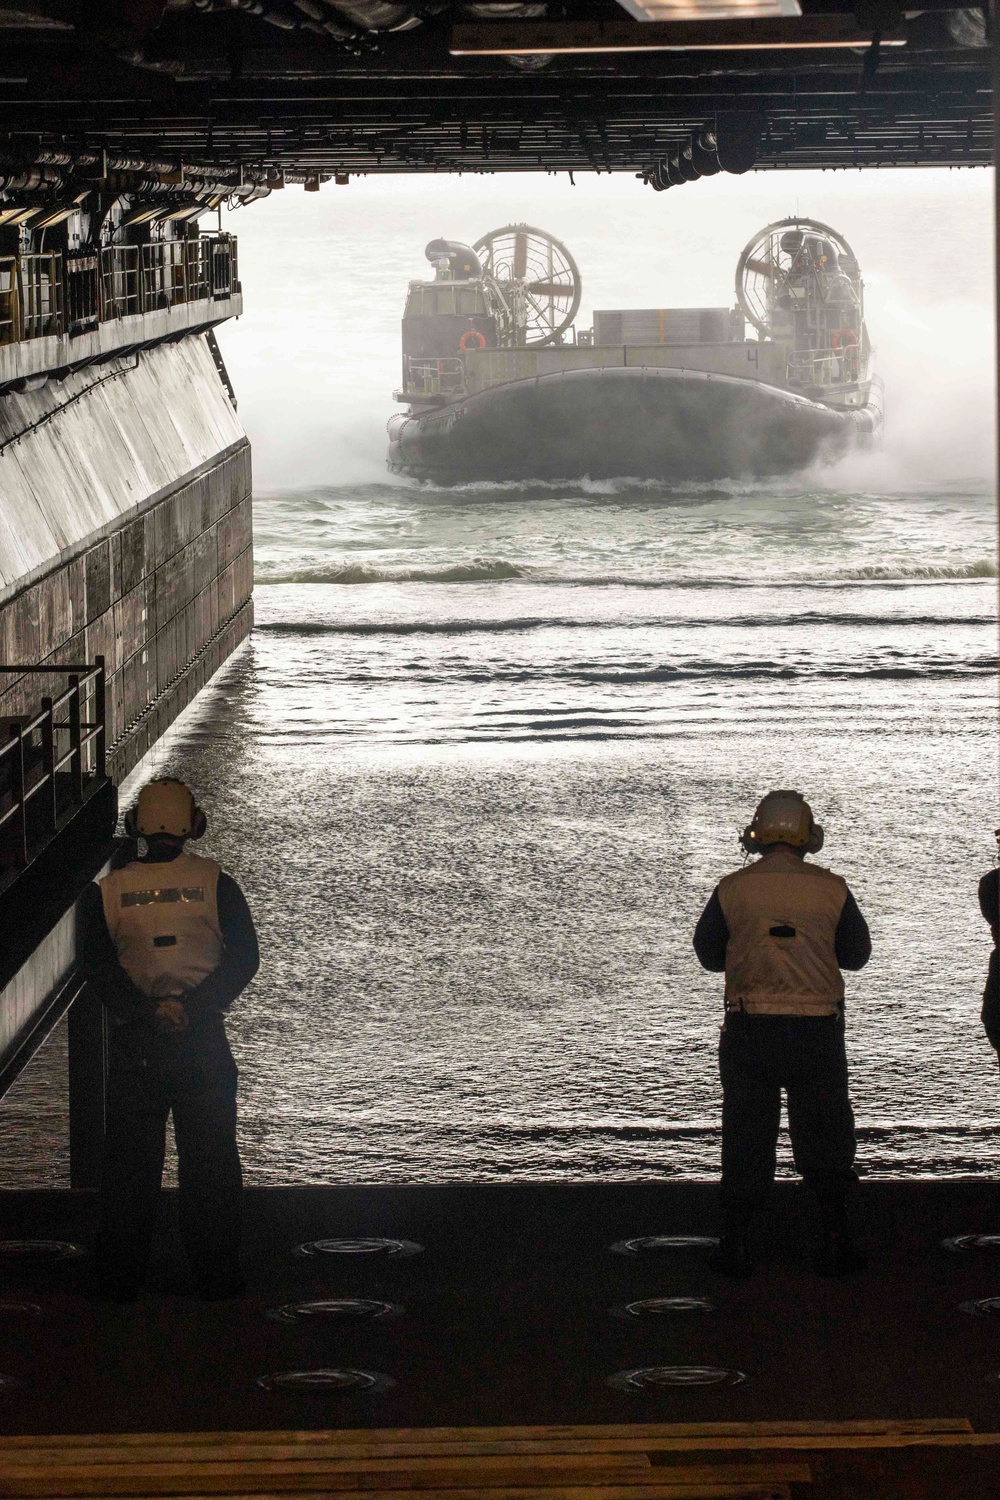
[[645, 423]]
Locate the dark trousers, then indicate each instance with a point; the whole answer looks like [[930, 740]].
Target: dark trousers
[[758, 1057], [142, 1093]]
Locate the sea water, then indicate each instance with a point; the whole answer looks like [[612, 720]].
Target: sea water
[[483, 761]]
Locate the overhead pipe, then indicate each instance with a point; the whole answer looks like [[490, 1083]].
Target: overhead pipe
[[177, 174], [379, 15], [30, 181], [140, 179], [299, 15], [275, 15], [507, 10], [732, 146], [704, 150]]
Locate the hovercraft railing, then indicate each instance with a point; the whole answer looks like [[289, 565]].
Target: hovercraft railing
[[435, 377], [835, 370]]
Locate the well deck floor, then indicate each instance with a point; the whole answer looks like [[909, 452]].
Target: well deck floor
[[507, 1321]]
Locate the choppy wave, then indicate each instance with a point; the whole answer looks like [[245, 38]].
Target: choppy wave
[[821, 483], [516, 624], [595, 675], [983, 568], [489, 570], [480, 570]]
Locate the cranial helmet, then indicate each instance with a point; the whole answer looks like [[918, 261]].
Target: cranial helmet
[[166, 807], [783, 818]]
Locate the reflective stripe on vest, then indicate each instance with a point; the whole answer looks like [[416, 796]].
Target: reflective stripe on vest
[[164, 922], [782, 915]]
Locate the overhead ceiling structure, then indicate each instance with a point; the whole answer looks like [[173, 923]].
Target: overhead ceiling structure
[[243, 95]]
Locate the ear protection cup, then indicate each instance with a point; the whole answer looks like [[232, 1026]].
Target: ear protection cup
[[815, 843], [130, 822], [200, 823]]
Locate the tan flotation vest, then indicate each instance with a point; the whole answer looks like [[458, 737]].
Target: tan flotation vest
[[782, 915], [164, 922]]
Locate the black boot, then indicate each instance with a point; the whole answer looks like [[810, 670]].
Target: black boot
[[733, 1257], [839, 1253]]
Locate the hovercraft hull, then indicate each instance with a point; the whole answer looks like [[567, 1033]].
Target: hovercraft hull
[[635, 422]]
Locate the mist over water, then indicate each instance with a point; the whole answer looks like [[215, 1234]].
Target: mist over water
[[489, 748], [316, 357]]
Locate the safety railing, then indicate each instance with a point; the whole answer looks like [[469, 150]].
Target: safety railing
[[199, 268], [83, 293], [434, 377], [56, 294], [10, 323], [121, 293], [164, 274], [222, 252], [49, 761], [40, 290], [833, 369]]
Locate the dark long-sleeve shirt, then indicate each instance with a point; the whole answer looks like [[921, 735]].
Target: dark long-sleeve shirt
[[852, 941], [989, 905], [98, 960]]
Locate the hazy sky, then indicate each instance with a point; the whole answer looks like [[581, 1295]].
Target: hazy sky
[[315, 357]]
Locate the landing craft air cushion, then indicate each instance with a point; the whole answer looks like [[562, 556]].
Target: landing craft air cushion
[[501, 385]]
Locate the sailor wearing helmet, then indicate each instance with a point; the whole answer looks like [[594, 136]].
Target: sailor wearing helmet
[[168, 942], [782, 929]]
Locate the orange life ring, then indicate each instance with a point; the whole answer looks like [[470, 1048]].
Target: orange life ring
[[844, 338], [471, 333]]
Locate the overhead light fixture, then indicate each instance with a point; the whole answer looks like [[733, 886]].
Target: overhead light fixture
[[709, 10], [142, 215], [52, 216], [782, 33]]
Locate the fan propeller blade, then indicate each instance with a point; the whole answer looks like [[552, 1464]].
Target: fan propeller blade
[[520, 255], [549, 289], [762, 267]]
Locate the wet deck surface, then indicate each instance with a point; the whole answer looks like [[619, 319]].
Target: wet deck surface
[[507, 1317]]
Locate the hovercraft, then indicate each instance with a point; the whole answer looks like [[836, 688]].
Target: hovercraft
[[500, 384]]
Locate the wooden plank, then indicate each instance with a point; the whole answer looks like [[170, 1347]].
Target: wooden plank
[[664, 1491], [172, 1479], [47, 1460], [422, 1474], [309, 1460], [505, 1439], [637, 1451]]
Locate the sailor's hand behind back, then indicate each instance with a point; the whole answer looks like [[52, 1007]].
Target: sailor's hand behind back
[[171, 1016]]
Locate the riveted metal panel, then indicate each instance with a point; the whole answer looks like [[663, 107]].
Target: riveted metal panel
[[101, 639], [98, 566], [132, 545], [55, 613]]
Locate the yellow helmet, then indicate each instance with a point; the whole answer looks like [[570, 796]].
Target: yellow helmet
[[783, 818], [168, 807]]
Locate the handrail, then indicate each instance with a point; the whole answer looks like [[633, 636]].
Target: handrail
[[10, 322], [21, 828], [52, 294], [430, 376], [831, 367], [40, 294]]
